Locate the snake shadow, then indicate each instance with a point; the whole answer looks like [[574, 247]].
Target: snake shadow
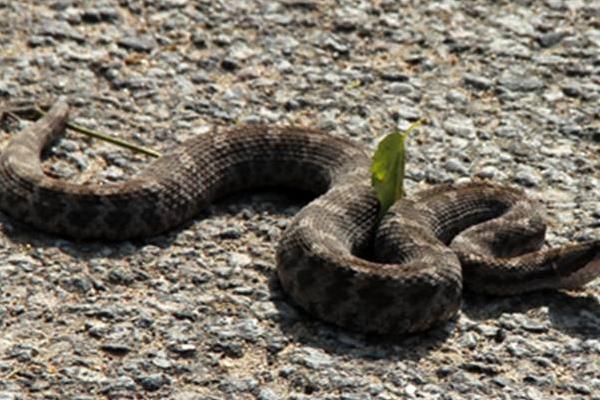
[[297, 325], [277, 201], [576, 314], [21, 234], [305, 329]]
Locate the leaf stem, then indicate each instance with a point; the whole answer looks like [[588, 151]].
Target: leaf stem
[[414, 125]]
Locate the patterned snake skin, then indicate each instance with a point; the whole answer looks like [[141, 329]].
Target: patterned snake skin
[[403, 275]]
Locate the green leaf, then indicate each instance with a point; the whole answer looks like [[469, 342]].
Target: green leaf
[[387, 168]]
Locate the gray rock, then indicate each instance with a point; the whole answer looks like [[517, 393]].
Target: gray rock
[[454, 165], [230, 233], [313, 358], [477, 82], [527, 176], [268, 394], [490, 172], [137, 43], [551, 39], [469, 341], [116, 348], [400, 88], [333, 44], [7, 89], [184, 350], [509, 48], [460, 127], [580, 388], [200, 39], [520, 82], [457, 97], [239, 260], [60, 30], [152, 382], [100, 14], [121, 384]]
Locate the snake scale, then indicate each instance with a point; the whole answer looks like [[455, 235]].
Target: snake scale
[[402, 274]]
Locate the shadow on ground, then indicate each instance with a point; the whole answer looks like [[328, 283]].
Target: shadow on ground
[[575, 314]]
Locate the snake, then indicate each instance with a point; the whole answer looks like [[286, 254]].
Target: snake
[[337, 259]]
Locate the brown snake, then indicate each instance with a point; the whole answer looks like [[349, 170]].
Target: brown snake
[[405, 274]]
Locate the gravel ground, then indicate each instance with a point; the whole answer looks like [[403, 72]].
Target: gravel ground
[[511, 89]]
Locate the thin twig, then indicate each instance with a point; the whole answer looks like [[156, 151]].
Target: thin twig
[[106, 138], [35, 111]]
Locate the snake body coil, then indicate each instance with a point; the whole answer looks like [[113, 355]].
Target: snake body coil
[[334, 260]]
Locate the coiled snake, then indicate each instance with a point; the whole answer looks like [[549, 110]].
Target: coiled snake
[[405, 274]]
